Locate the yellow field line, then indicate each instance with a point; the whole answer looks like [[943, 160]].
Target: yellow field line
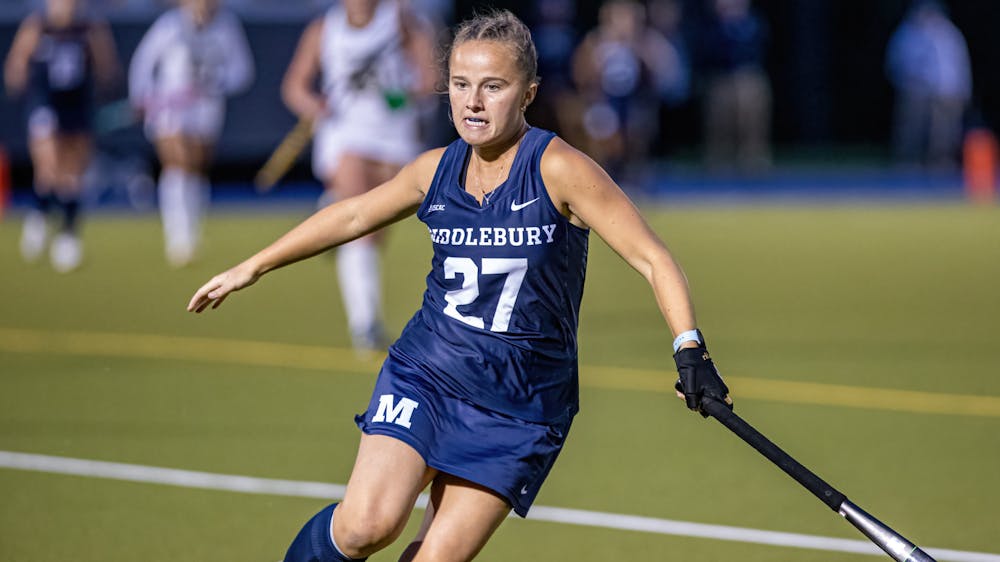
[[184, 348], [795, 392], [322, 358]]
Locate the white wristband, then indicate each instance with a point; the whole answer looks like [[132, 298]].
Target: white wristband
[[690, 335]]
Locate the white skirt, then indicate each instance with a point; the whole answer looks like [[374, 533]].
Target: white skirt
[[392, 141], [201, 118]]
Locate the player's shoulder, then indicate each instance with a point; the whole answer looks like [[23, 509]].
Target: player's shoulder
[[313, 31], [561, 158], [33, 19], [169, 21], [32, 25], [426, 164]]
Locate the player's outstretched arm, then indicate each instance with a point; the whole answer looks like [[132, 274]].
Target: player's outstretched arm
[[15, 70], [107, 68], [219, 287], [345, 220], [297, 87]]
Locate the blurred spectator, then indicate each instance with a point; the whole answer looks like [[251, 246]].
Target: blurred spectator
[[189, 61], [737, 98], [55, 60], [374, 63], [555, 39], [927, 62], [667, 17], [440, 13], [619, 68]]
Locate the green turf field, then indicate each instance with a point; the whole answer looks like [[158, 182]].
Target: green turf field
[[864, 340]]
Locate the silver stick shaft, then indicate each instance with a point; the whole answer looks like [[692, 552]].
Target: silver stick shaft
[[890, 541]]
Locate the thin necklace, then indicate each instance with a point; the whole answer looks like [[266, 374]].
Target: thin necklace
[[479, 182], [496, 181]]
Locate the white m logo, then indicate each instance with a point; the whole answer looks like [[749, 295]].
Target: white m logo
[[390, 412]]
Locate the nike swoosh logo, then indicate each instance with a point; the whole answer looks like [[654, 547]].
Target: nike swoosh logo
[[514, 206], [524, 490]]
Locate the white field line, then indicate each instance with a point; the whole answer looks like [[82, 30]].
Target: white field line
[[253, 485]]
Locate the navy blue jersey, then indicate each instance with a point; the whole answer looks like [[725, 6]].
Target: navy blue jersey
[[498, 324], [61, 72]]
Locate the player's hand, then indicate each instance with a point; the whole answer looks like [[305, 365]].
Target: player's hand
[[219, 287], [699, 379]]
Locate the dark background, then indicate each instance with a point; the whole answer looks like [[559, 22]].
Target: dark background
[[825, 59]]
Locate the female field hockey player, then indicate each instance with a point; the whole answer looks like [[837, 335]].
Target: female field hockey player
[[189, 61], [57, 58], [375, 64], [476, 397]]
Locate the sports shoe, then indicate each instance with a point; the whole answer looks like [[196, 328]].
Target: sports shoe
[[180, 255], [66, 253], [370, 343], [34, 236]]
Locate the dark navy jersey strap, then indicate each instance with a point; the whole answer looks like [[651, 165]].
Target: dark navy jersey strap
[[444, 174]]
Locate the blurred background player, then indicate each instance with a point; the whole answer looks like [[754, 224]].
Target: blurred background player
[[618, 68], [189, 61], [927, 62], [737, 102], [555, 35], [375, 64], [55, 61]]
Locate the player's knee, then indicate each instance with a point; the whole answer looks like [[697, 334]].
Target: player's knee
[[361, 533]]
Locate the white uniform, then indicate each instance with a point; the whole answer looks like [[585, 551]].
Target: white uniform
[[181, 74], [365, 77]]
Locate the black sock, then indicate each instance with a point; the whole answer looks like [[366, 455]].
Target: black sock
[[71, 215], [44, 203]]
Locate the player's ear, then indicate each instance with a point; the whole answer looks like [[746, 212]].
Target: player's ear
[[529, 95]]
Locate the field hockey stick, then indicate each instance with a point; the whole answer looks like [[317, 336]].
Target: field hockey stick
[[284, 155], [894, 544], [115, 116], [122, 114]]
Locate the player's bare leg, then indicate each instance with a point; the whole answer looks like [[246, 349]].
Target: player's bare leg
[[59, 162], [388, 476], [459, 521], [183, 194], [358, 270], [74, 151], [35, 232], [425, 525]]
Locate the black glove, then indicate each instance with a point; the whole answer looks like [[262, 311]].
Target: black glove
[[699, 379]]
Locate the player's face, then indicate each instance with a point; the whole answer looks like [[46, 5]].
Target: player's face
[[359, 12], [487, 92], [60, 12], [202, 11]]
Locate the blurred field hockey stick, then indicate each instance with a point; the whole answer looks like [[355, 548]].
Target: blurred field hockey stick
[[121, 114], [894, 544], [284, 155], [115, 116]]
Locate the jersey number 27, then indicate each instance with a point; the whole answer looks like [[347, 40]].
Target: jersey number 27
[[513, 268]]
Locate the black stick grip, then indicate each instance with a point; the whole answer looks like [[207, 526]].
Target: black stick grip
[[825, 492]]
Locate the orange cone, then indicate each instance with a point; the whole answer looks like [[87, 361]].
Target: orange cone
[[980, 165]]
